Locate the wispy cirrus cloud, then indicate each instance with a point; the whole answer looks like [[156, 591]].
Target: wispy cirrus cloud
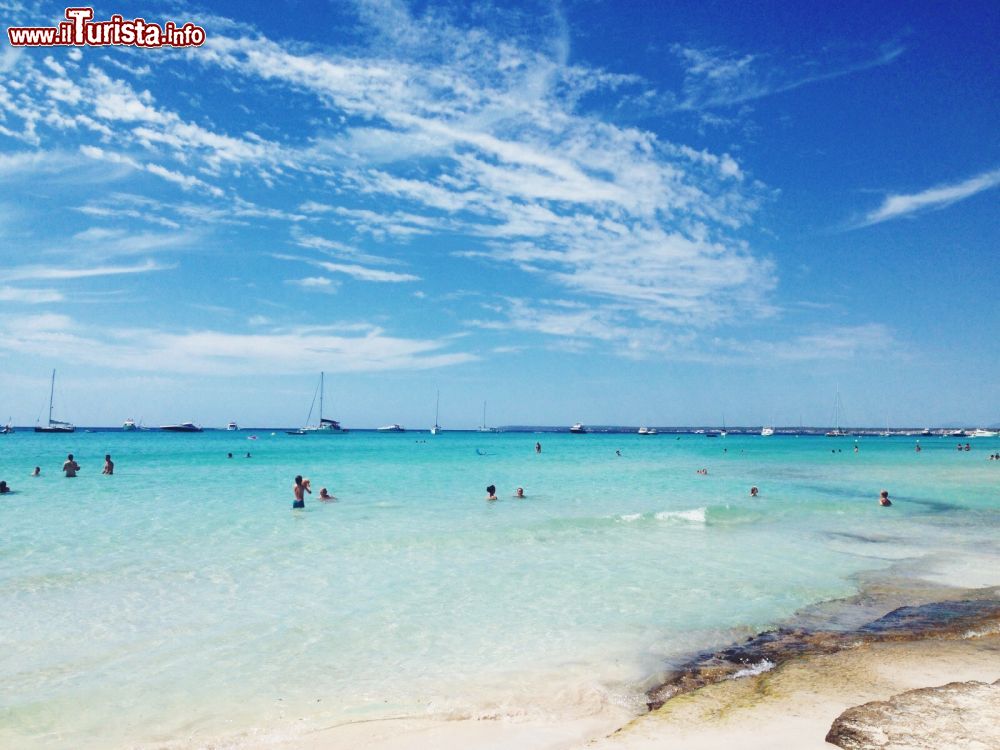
[[24, 295], [718, 78], [211, 352], [51, 273], [941, 196]]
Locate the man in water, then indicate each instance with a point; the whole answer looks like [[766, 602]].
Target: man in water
[[538, 447], [491, 492], [300, 489], [883, 498], [325, 496], [71, 466], [109, 465], [37, 472], [519, 492], [754, 492], [4, 489]]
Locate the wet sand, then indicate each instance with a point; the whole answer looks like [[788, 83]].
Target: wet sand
[[783, 688]]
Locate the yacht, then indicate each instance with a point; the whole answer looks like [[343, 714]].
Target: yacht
[[483, 427], [325, 426], [437, 403], [837, 408], [766, 431], [182, 427], [54, 425], [232, 427], [643, 430], [980, 432], [651, 431], [578, 429], [129, 425], [392, 428]]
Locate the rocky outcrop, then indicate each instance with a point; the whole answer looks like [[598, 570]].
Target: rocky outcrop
[[949, 619], [957, 715]]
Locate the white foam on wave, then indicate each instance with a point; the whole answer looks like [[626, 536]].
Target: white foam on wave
[[982, 632], [629, 517], [756, 669], [695, 515]]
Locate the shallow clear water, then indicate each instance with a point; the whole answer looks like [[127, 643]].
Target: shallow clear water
[[183, 597]]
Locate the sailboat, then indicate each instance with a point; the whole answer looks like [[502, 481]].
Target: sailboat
[[437, 403], [483, 427], [325, 426], [837, 406], [8, 428], [766, 431], [54, 425]]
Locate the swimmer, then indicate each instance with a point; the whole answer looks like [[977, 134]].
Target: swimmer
[[71, 466], [618, 453], [109, 465], [491, 492], [4, 489], [703, 472], [883, 498], [37, 472], [519, 492], [248, 454], [325, 496], [754, 492], [300, 489], [538, 447], [229, 455]]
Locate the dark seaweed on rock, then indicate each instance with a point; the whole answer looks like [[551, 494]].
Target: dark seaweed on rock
[[935, 620]]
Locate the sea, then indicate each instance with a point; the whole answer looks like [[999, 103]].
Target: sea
[[182, 601]]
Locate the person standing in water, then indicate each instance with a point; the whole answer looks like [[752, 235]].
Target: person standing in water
[[109, 465], [491, 492], [300, 489], [538, 447], [71, 466], [883, 498]]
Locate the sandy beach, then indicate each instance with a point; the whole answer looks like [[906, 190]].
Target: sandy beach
[[791, 705]]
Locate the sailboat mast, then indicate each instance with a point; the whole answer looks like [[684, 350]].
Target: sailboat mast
[[52, 391], [484, 415], [321, 389], [437, 404]]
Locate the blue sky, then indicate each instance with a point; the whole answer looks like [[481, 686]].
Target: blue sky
[[663, 213]]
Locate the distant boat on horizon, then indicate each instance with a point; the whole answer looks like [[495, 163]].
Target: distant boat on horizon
[[766, 431], [54, 425], [181, 427], [325, 426], [129, 425], [483, 427], [980, 432], [437, 404], [579, 429], [7, 429], [837, 408], [392, 428], [232, 427]]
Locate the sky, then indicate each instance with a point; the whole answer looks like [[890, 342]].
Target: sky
[[615, 213]]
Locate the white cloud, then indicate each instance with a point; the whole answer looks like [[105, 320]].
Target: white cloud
[[316, 284], [41, 273], [941, 196], [29, 296], [209, 352]]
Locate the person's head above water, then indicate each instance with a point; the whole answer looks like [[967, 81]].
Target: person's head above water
[[491, 490], [298, 479], [519, 492]]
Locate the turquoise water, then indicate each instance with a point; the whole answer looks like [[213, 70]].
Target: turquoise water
[[183, 597]]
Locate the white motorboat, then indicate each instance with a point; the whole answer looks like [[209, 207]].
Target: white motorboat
[[980, 432], [766, 431], [578, 429], [129, 425], [232, 427], [392, 428]]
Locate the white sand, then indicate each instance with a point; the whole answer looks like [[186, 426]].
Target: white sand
[[792, 706]]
